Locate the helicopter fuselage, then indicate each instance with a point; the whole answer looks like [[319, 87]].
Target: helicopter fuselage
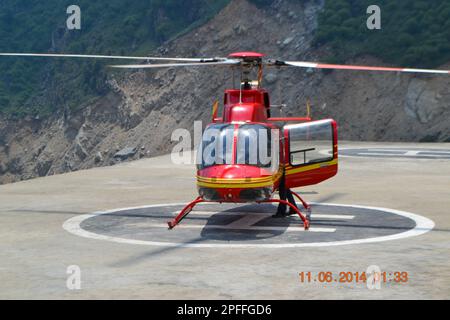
[[234, 177]]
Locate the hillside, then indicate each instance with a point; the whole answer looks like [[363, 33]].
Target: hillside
[[413, 33], [140, 109], [42, 87]]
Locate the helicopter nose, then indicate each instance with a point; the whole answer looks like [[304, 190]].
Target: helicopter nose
[[235, 183]]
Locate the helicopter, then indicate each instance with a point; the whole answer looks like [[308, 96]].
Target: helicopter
[[302, 151]]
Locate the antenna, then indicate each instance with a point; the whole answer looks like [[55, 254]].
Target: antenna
[[308, 108]]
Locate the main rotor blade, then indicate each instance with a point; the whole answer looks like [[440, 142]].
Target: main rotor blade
[[304, 64], [60, 55], [169, 65]]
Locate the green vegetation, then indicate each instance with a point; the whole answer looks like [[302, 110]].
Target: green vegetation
[[414, 33], [108, 27]]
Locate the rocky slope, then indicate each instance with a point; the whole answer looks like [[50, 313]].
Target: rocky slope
[[144, 107]]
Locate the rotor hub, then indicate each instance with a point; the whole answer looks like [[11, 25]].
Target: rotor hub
[[249, 57]]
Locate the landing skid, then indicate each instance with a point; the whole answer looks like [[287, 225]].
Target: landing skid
[[305, 205], [188, 208], [296, 210]]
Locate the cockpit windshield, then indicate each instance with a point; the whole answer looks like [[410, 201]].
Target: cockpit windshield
[[256, 145], [216, 146]]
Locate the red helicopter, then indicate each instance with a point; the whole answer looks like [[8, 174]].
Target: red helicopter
[[303, 153]]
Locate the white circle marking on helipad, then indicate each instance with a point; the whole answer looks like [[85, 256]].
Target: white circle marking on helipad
[[423, 225]]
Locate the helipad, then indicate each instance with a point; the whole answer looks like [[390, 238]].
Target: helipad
[[376, 211], [228, 226]]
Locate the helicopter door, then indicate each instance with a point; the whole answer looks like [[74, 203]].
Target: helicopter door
[[311, 152]]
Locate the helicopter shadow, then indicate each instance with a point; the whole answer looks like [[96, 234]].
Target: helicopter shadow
[[250, 222]]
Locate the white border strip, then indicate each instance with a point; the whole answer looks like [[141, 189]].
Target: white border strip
[[423, 225], [386, 156]]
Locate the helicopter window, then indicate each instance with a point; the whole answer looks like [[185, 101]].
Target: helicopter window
[[217, 146], [311, 142], [254, 146]]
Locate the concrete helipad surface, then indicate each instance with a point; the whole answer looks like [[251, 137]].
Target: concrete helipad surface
[[388, 207]]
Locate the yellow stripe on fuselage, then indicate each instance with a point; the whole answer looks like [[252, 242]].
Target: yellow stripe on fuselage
[[238, 183], [234, 185], [293, 170], [231, 180]]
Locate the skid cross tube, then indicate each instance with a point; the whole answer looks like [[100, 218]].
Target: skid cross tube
[[305, 221], [304, 203], [188, 208], [172, 223]]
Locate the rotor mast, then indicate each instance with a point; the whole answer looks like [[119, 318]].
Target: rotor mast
[[249, 61]]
